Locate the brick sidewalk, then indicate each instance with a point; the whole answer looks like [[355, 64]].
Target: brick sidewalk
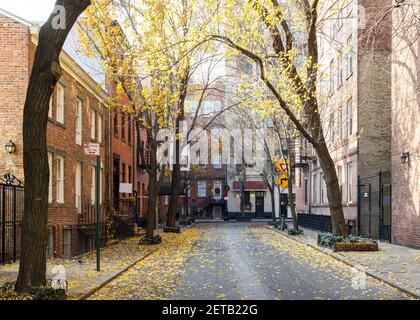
[[82, 278], [396, 265]]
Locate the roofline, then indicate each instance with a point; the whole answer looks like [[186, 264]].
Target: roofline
[[16, 18]]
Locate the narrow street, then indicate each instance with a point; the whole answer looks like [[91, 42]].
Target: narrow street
[[241, 261]]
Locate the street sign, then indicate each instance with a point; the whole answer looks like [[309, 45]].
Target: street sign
[[92, 149], [282, 165], [283, 181]]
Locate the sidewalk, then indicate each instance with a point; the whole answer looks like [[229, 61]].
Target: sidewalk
[[396, 265], [82, 277]]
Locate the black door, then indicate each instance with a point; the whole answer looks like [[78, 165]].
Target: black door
[[116, 180], [259, 207]]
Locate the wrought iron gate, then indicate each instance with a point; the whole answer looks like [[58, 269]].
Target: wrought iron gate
[[374, 206], [11, 213]]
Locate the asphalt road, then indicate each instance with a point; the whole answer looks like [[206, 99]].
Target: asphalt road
[[248, 261], [233, 261]]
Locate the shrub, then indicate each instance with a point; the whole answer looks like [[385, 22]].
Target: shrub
[[294, 232]]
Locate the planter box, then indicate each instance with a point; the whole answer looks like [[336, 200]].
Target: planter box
[[355, 246]]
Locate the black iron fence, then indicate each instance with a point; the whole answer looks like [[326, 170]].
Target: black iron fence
[[315, 221], [11, 213]]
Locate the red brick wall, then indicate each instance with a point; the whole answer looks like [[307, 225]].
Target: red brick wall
[[405, 127]]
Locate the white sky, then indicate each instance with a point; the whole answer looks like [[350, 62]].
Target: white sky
[[32, 10]]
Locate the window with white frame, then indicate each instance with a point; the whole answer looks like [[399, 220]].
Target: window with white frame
[[93, 125], [79, 108], [340, 180], [349, 182], [201, 189], [60, 179], [78, 186], [60, 103], [99, 128], [340, 69], [332, 76], [349, 57], [349, 112], [93, 184], [50, 182], [340, 123]]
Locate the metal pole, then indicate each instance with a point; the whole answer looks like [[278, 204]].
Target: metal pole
[[3, 226], [98, 215]]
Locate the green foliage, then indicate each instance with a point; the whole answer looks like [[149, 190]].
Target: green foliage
[[46, 293], [294, 232], [328, 240]]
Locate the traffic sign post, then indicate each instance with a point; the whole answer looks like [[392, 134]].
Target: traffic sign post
[[94, 150]]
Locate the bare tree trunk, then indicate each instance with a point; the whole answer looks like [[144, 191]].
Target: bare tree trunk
[[46, 71], [333, 191]]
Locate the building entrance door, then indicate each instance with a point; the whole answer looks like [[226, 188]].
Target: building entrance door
[[259, 205], [217, 212]]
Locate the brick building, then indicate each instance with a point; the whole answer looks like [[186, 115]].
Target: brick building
[[77, 114], [405, 151]]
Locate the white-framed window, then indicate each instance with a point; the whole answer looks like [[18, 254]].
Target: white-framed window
[[93, 184], [99, 128], [78, 186], [50, 181], [60, 103], [79, 108], [349, 182], [60, 179], [349, 112], [332, 125], [332, 76], [340, 69], [93, 125], [350, 56], [340, 123], [314, 189], [50, 115], [201, 189]]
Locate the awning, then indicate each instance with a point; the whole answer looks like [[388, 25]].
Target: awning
[[250, 186]]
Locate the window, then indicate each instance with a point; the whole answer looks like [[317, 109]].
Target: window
[[349, 57], [78, 187], [349, 112], [50, 115], [99, 119], [247, 197], [129, 175], [332, 75], [122, 126], [93, 184], [93, 125], [340, 69], [123, 173], [60, 179], [129, 129], [60, 103], [340, 123], [67, 242], [50, 246], [50, 184], [79, 121], [201, 189], [349, 183], [115, 123], [314, 185]]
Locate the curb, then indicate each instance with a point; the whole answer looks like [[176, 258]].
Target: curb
[[369, 272], [103, 284]]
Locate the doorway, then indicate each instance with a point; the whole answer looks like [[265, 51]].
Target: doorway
[[217, 213], [259, 204]]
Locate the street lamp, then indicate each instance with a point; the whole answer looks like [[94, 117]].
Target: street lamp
[[10, 147], [404, 157]]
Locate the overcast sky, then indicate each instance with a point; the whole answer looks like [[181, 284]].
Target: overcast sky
[[32, 10]]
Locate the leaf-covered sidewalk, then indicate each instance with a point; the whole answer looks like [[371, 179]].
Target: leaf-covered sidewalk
[[82, 277], [397, 265]]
